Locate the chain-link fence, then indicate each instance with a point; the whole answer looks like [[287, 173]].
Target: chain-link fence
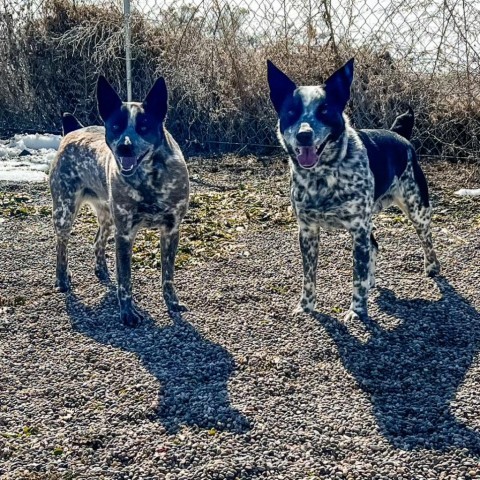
[[213, 52]]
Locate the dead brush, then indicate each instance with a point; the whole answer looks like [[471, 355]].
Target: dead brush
[[215, 66]]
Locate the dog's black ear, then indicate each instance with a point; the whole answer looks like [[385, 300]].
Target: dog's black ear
[[156, 101], [70, 123], [280, 85], [107, 98], [337, 86]]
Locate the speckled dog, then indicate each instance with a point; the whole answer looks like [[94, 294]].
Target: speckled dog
[[340, 177], [133, 174]]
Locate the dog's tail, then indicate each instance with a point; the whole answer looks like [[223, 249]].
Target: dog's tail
[[70, 123], [403, 124]]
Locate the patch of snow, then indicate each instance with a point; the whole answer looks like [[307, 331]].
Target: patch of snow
[[38, 141], [468, 192], [23, 175], [32, 167]]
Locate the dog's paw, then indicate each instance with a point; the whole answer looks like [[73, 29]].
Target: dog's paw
[[131, 317], [63, 286], [101, 272], [302, 308], [177, 307], [352, 316], [432, 269]]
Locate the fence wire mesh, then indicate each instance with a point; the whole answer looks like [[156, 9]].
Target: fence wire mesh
[[213, 55]]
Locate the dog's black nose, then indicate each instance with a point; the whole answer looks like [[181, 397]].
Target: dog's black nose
[[305, 136]]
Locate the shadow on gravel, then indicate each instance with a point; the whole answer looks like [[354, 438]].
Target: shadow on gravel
[[412, 372], [192, 370]]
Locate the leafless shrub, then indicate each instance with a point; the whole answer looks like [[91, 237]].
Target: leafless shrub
[[214, 62]]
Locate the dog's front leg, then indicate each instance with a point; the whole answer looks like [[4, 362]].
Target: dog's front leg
[[129, 314], [361, 280], [308, 237], [169, 246]]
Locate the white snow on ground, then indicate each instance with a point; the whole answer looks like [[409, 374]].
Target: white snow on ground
[[29, 168], [23, 175], [38, 141], [468, 192]]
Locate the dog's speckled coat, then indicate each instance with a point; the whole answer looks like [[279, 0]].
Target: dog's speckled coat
[[152, 192], [340, 177]]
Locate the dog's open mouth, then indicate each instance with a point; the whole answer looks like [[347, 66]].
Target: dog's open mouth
[[129, 164], [308, 157]]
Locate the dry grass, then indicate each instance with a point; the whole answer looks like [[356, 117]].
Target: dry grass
[[215, 69]]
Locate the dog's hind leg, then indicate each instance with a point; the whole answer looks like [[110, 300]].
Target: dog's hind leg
[[105, 225], [64, 212], [308, 234], [421, 221], [169, 245], [361, 273], [373, 260], [412, 199], [420, 216]]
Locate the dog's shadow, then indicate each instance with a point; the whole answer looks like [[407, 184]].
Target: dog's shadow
[[193, 372], [412, 373]]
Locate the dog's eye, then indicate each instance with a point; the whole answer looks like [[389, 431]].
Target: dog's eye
[[291, 113], [115, 127], [322, 111], [143, 128]]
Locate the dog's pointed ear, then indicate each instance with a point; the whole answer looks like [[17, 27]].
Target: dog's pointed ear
[[70, 123], [337, 86], [280, 85], [107, 98], [156, 101]]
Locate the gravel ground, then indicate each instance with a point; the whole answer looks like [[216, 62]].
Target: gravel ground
[[239, 388]]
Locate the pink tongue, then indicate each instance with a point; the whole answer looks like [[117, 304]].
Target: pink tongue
[[128, 162], [307, 156]]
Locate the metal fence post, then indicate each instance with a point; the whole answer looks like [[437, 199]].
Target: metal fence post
[[128, 48]]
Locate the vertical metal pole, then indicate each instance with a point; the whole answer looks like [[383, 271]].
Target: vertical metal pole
[[128, 48]]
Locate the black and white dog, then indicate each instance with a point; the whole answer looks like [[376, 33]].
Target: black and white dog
[[133, 174], [340, 177]]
